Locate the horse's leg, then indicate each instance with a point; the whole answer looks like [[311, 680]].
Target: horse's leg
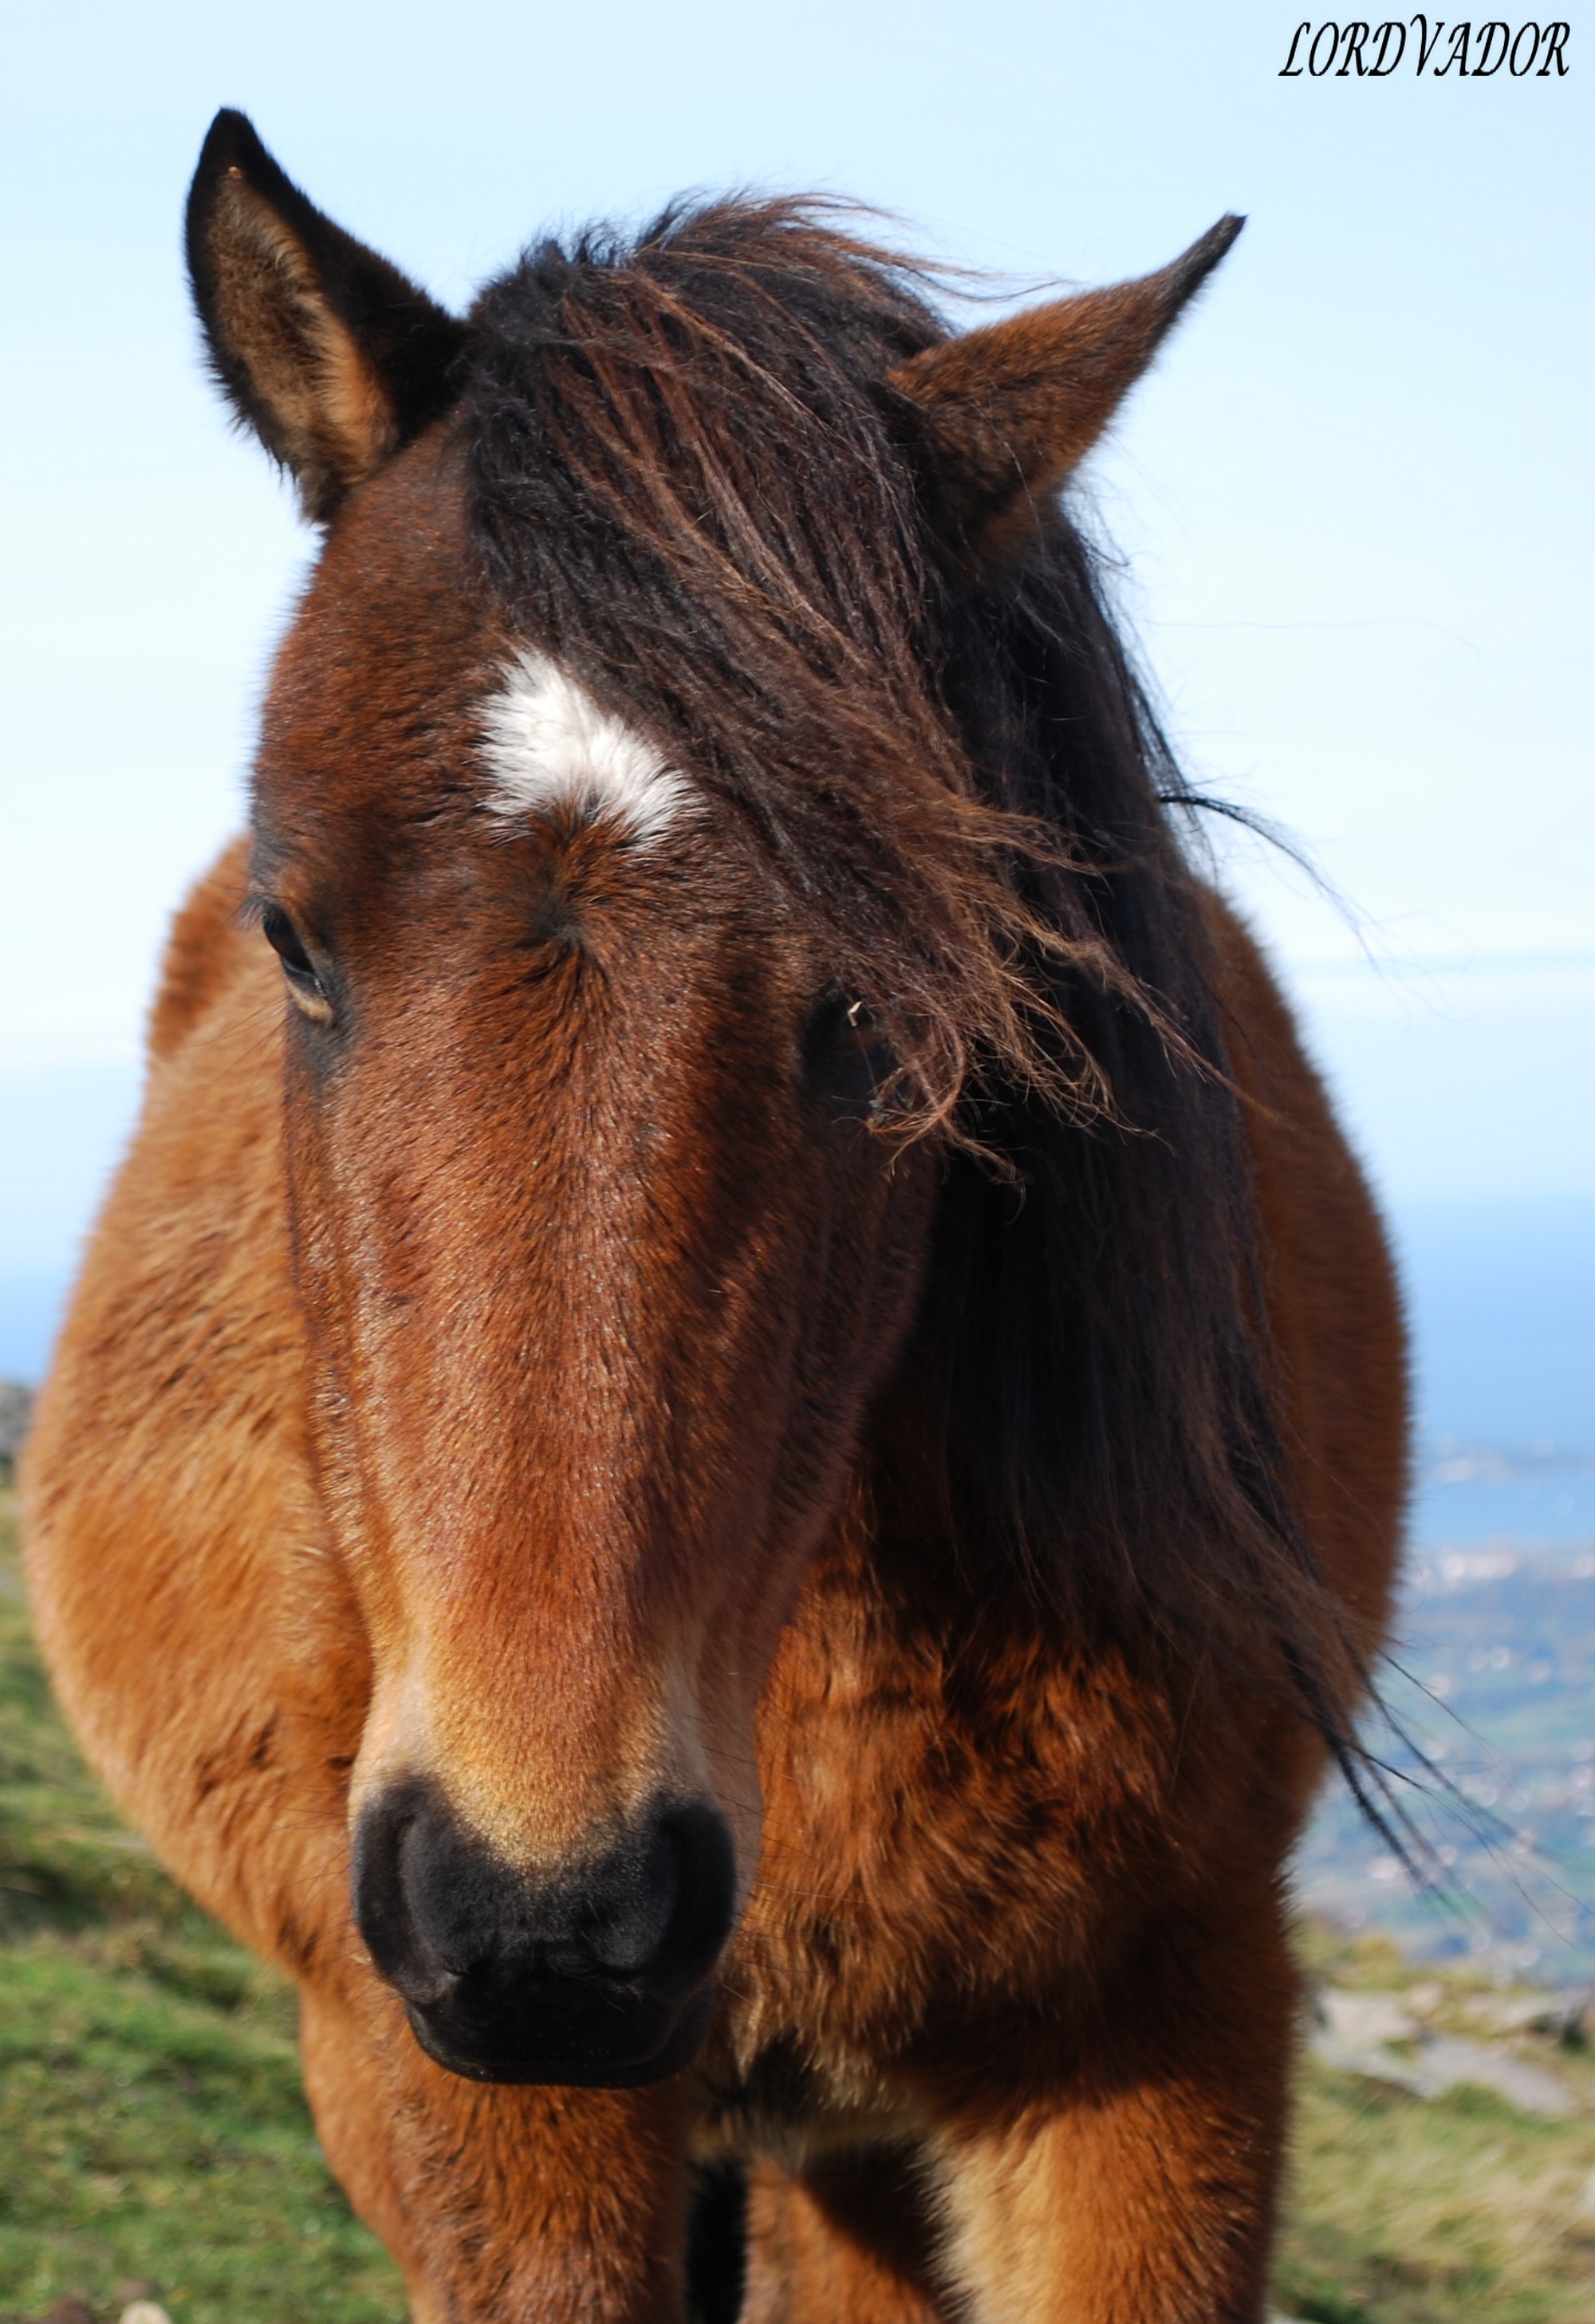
[[847, 2242], [500, 2203], [1143, 2192]]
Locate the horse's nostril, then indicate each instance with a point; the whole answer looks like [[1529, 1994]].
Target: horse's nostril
[[701, 1887], [630, 1901], [382, 1904], [662, 1907]]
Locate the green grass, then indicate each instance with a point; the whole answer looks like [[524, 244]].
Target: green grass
[[1414, 2213], [1456, 2210], [153, 2137]]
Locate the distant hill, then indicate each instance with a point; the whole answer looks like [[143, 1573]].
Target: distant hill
[[16, 1410], [1492, 1676]]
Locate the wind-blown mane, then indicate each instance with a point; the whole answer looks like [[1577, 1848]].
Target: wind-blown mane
[[686, 478]]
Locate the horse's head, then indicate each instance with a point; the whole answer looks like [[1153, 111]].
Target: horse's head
[[636, 903]]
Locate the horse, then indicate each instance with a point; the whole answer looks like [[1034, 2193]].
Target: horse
[[730, 1455]]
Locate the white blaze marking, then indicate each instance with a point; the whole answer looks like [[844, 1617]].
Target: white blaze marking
[[550, 747]]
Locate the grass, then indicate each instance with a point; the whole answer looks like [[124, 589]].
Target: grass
[[153, 2137], [155, 2141], [1415, 2212], [1404, 2210]]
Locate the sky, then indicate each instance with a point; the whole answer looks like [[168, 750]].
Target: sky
[[1349, 509]]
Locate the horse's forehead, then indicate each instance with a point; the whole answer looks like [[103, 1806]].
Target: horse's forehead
[[394, 635], [402, 684], [551, 753]]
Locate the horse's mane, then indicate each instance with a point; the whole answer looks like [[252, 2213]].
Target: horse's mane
[[687, 476]]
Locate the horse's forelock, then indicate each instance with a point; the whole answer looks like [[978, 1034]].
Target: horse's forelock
[[683, 474]]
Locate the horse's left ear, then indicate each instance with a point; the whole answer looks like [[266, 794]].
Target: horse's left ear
[[329, 353], [1008, 412]]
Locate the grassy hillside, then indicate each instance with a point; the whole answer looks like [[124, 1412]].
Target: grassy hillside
[[1453, 2210], [152, 2125], [154, 2138]]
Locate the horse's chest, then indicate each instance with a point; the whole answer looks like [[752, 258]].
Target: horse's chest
[[952, 1802]]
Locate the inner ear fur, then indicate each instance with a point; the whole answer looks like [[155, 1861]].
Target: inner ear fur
[[1007, 412], [328, 352]]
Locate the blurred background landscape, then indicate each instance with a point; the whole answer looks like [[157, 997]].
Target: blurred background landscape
[[1349, 516]]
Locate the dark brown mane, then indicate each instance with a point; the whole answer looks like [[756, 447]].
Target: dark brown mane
[[688, 480], [685, 479]]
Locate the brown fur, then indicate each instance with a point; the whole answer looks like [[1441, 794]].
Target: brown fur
[[527, 1378], [946, 1948]]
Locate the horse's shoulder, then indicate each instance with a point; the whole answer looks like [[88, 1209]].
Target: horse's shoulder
[[1334, 1307], [1289, 1120], [1261, 1029], [206, 947]]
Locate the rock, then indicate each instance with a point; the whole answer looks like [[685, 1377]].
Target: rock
[[1439, 2063], [1355, 2019], [1566, 2017], [1356, 2032], [1446, 2061], [144, 2311], [1372, 2062], [1563, 2015]]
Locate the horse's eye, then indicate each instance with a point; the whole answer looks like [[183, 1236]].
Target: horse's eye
[[298, 967], [842, 1058]]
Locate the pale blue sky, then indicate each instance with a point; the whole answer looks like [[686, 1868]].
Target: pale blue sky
[[1354, 500]]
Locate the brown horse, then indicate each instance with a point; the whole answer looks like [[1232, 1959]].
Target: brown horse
[[734, 1445]]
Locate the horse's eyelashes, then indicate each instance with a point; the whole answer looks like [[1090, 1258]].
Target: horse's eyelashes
[[287, 944], [285, 941], [839, 1055]]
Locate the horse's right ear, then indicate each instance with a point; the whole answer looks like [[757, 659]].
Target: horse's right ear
[[1007, 412], [328, 352]]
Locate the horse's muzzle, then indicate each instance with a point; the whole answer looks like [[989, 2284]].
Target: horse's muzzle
[[601, 1977]]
